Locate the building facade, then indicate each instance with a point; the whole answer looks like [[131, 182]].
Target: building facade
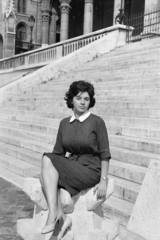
[[58, 20]]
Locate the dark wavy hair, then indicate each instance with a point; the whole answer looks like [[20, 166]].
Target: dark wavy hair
[[75, 88]]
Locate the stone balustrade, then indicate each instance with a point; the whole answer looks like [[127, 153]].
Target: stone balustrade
[[43, 56], [85, 210], [51, 52]]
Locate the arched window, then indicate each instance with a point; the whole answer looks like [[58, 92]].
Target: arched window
[[21, 6], [21, 33]]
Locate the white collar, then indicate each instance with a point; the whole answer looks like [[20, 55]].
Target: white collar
[[83, 117]]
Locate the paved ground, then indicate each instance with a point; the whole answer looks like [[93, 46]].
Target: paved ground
[[14, 204]]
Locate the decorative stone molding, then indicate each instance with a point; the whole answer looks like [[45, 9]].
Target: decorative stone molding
[[65, 1], [46, 16], [89, 1], [54, 14], [65, 7], [10, 9]]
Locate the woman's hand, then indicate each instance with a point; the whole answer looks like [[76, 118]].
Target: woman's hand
[[101, 189]]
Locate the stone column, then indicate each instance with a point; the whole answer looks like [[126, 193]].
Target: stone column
[[151, 5], [118, 4], [65, 7], [45, 27], [88, 17], [53, 27], [9, 37]]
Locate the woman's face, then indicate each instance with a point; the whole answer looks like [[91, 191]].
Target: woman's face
[[81, 103]]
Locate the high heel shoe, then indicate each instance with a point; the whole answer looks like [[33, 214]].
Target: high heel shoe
[[50, 228], [67, 225]]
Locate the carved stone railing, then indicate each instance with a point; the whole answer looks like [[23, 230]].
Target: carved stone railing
[[42, 56]]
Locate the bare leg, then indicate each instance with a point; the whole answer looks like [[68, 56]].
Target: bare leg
[[49, 179]]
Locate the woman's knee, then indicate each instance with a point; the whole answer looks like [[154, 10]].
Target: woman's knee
[[46, 162]]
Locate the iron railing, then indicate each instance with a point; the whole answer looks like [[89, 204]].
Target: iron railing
[[146, 25]]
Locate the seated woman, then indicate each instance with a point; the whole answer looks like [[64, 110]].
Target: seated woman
[[84, 137]]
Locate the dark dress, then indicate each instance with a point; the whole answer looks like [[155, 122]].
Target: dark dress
[[87, 143]]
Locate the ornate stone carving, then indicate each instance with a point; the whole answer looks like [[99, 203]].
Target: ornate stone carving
[[46, 16], [10, 9], [65, 7], [54, 14]]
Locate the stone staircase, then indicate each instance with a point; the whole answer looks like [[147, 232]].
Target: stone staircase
[[127, 82]]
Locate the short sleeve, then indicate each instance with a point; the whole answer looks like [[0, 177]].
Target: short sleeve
[[58, 147], [103, 142]]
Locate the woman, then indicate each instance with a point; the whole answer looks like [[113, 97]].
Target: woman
[[84, 138]]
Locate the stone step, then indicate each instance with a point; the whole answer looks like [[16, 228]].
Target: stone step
[[138, 144], [19, 167], [130, 104], [12, 177], [152, 105], [132, 156], [38, 96], [127, 171], [104, 105], [44, 129], [29, 116], [125, 189], [126, 154], [23, 166], [129, 98], [142, 123], [129, 66], [140, 48], [26, 143], [46, 138], [20, 153], [129, 62], [133, 132], [100, 79], [116, 207], [127, 109], [121, 168], [126, 112], [108, 67], [40, 128], [120, 126]]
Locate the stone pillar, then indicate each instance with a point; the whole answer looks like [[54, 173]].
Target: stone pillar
[[9, 39], [46, 16], [151, 5], [52, 38], [118, 4], [65, 7], [88, 17]]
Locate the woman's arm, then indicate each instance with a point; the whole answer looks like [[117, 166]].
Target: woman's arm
[[58, 147], [104, 152], [101, 187]]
